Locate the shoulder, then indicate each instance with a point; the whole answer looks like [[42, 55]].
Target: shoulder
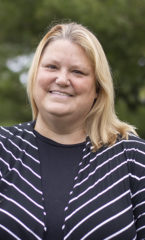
[[133, 143], [20, 134], [135, 139], [15, 140], [132, 148], [132, 153], [18, 129]]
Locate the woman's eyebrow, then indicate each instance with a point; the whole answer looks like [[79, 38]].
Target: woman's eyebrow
[[49, 59], [79, 66]]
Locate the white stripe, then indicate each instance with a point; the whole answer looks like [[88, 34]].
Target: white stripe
[[86, 155], [137, 163], [10, 232], [22, 150], [18, 129], [136, 177], [138, 229], [27, 142], [21, 130], [94, 198], [95, 212], [88, 143], [118, 143], [2, 136], [135, 237], [142, 190], [21, 223], [143, 214], [24, 179], [106, 221], [138, 205], [133, 135], [140, 151], [19, 159], [98, 181], [6, 130], [82, 169], [120, 231], [23, 165], [2, 160], [8, 151], [30, 132], [80, 163], [125, 150], [106, 162], [24, 194], [101, 165], [24, 209]]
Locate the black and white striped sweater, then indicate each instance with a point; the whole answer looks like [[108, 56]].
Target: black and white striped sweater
[[107, 200]]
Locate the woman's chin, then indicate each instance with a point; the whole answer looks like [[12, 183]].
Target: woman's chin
[[58, 112]]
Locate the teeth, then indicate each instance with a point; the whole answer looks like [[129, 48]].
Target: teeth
[[59, 93]]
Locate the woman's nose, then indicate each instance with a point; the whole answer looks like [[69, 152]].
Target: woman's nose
[[63, 78]]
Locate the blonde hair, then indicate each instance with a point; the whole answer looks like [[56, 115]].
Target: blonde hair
[[102, 125]]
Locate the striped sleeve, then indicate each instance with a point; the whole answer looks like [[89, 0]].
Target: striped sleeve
[[21, 197], [136, 161], [3, 167]]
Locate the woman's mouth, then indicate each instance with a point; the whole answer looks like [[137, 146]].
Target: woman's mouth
[[55, 92]]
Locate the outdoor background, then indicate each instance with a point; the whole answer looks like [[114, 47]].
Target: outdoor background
[[119, 26]]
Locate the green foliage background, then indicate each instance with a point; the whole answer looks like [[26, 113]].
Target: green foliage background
[[118, 24]]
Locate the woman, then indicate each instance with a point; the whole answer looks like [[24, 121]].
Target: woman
[[76, 171]]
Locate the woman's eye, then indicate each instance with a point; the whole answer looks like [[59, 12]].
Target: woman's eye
[[78, 72], [51, 66]]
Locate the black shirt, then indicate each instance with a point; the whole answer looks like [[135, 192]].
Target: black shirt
[[59, 166]]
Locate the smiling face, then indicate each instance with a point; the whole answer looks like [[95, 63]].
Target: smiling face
[[65, 83]]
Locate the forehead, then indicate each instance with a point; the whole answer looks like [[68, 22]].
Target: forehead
[[60, 43], [65, 47]]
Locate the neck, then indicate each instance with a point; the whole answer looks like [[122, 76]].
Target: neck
[[60, 131]]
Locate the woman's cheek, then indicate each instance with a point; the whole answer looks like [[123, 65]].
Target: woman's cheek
[[42, 81], [79, 88]]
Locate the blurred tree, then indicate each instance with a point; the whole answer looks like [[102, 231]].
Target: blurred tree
[[119, 26]]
